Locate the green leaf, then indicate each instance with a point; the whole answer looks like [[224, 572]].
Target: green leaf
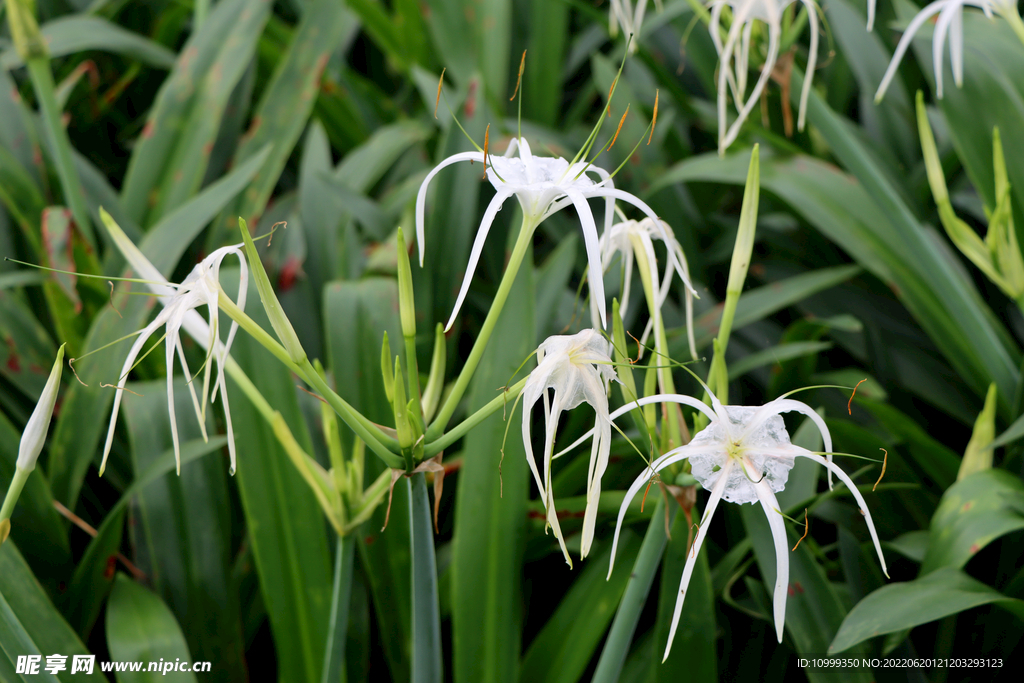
[[169, 158], [903, 605], [474, 39], [759, 303], [814, 609], [426, 620], [978, 454], [182, 527], [775, 355], [94, 575], [29, 623], [616, 646], [75, 33], [284, 108], [876, 229], [973, 512], [286, 525], [140, 628], [566, 643], [489, 540], [356, 315]]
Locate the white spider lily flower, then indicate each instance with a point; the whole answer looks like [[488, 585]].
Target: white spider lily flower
[[621, 13], [635, 241], [734, 58], [543, 186], [201, 287], [950, 21], [744, 455], [579, 369]]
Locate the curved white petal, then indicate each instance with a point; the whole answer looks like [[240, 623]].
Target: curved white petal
[[590, 239], [788, 405], [691, 557], [901, 47], [856, 494], [647, 400], [674, 456], [125, 369], [778, 527], [938, 42], [478, 246], [812, 60], [421, 196]]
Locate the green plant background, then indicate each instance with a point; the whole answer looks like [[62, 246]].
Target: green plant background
[[182, 116]]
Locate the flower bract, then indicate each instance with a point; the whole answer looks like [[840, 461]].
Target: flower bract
[[744, 455], [578, 369]]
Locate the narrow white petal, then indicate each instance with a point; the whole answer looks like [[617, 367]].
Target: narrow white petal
[[774, 31], [478, 247], [647, 400], [125, 369], [812, 60], [691, 557], [421, 196], [778, 527], [901, 47], [938, 42], [788, 405], [590, 239], [856, 494]]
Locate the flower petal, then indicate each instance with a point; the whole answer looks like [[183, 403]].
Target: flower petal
[[421, 196], [856, 495], [778, 527], [590, 239], [691, 558], [901, 47], [788, 405], [478, 246]]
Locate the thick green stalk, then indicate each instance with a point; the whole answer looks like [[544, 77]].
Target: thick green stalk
[[426, 616], [464, 427], [1013, 18], [351, 417], [42, 82], [378, 442], [337, 627], [14, 491], [616, 646], [462, 383]]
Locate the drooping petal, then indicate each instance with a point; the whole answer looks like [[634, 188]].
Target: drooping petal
[[590, 239], [856, 494], [125, 369], [774, 31], [938, 42], [421, 196], [812, 60], [670, 458], [775, 522], [901, 47], [647, 400], [478, 247], [691, 557]]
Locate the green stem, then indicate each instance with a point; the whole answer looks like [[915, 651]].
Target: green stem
[[379, 442], [60, 146], [412, 370], [426, 617], [337, 627], [14, 491], [616, 647], [464, 427], [350, 415], [508, 279]]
